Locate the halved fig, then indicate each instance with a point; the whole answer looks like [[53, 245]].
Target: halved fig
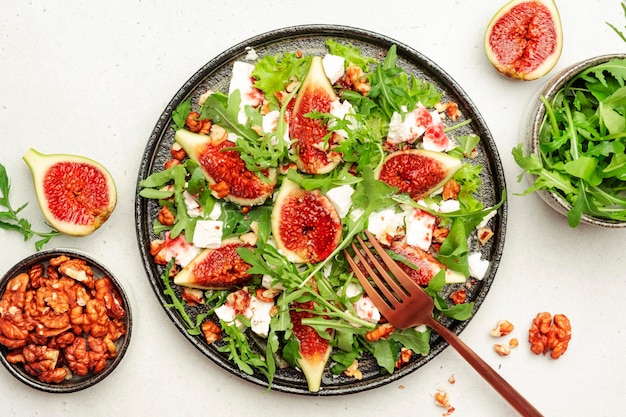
[[524, 38], [76, 194], [314, 149], [314, 350], [427, 265], [305, 224], [418, 172], [226, 172], [218, 268]]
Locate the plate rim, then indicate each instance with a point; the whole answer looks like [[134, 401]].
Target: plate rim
[[312, 30]]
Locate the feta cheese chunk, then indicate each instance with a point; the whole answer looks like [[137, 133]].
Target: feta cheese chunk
[[363, 306], [333, 67], [342, 110], [260, 316], [385, 225], [270, 122], [242, 80], [477, 266], [419, 229], [179, 249], [410, 126], [341, 199], [208, 234], [193, 206]]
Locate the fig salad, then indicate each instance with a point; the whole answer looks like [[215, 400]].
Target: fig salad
[[270, 181]]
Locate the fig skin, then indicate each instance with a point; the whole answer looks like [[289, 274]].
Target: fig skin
[[84, 194], [315, 94], [418, 172], [524, 39], [226, 168], [305, 224], [314, 350]]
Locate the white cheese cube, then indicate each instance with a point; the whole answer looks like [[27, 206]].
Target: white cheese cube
[[261, 316], [448, 206], [333, 67], [208, 234], [341, 199], [385, 225], [342, 110], [242, 80], [419, 229], [477, 266]]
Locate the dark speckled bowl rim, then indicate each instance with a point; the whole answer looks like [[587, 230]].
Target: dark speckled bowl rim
[[99, 270], [294, 34]]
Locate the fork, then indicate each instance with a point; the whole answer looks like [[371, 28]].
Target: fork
[[405, 304]]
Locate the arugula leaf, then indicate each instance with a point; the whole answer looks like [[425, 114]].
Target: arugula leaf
[[10, 219], [179, 115], [582, 142]]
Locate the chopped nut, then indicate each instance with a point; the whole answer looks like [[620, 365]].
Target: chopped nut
[[452, 379], [503, 328], [405, 357], [353, 371], [513, 343], [459, 296], [484, 234], [502, 350]]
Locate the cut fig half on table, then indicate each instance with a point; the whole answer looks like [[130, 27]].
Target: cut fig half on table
[[525, 38], [76, 194]]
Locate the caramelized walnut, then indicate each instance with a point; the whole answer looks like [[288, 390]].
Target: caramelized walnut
[[58, 320], [546, 335]]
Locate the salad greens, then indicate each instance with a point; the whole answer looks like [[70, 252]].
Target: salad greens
[[582, 143], [11, 220], [327, 283]]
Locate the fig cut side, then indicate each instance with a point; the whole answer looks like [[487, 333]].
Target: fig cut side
[[224, 169], [418, 172], [314, 149], [76, 194], [524, 39], [314, 350], [305, 224], [216, 268]]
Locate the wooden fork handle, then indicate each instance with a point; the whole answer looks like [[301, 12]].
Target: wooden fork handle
[[509, 393]]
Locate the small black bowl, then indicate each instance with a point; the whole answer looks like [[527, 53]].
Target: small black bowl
[[75, 383]]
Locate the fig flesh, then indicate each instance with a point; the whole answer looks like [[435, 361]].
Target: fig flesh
[[314, 148], [426, 265], [314, 350], [418, 172], [76, 194], [305, 224], [524, 38], [226, 172], [216, 268]]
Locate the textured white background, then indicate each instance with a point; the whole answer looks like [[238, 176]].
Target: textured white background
[[93, 77]]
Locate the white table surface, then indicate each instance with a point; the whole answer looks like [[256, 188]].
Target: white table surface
[[93, 77]]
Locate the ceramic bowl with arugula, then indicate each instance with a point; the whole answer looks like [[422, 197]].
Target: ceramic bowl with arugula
[[575, 150], [65, 321]]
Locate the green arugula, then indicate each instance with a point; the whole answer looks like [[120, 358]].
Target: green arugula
[[582, 142], [11, 220], [619, 32]]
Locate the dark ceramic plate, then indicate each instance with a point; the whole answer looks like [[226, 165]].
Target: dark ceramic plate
[[311, 39], [76, 383]]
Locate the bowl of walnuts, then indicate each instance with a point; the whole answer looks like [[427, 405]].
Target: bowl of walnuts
[[65, 321]]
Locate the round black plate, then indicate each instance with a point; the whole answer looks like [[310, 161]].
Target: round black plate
[[311, 39]]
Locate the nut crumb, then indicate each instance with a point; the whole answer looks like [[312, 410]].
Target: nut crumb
[[502, 350], [503, 328]]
